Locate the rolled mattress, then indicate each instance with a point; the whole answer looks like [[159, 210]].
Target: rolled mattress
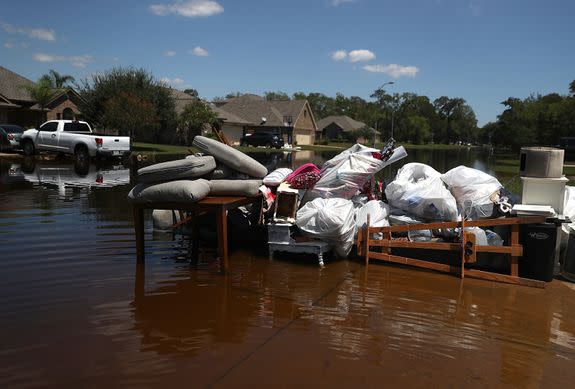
[[233, 158], [182, 191], [191, 167]]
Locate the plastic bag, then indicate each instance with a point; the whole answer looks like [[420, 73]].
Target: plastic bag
[[378, 212], [569, 208], [473, 190], [418, 190], [331, 220], [346, 173]]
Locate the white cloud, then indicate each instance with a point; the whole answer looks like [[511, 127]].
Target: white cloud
[[360, 55], [169, 53], [393, 70], [337, 3], [200, 52], [79, 61], [339, 55], [189, 9], [8, 45], [173, 82], [36, 33]]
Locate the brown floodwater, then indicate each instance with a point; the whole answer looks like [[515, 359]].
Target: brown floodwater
[[76, 311]]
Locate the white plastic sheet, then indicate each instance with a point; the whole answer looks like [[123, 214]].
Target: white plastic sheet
[[331, 220], [473, 190], [418, 190], [346, 173]]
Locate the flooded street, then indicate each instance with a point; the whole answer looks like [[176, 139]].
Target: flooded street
[[77, 311]]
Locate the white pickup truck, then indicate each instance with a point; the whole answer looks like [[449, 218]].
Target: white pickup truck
[[73, 137]]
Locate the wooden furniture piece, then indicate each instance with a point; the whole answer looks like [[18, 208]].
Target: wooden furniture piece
[[216, 204], [466, 248]]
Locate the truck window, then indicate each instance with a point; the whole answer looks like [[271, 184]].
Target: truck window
[[50, 126], [76, 127]]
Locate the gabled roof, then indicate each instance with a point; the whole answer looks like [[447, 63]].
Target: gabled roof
[[252, 109], [227, 116], [344, 122], [181, 99], [12, 86]]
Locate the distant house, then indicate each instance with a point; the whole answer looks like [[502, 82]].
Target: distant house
[[291, 119], [18, 107], [342, 127]]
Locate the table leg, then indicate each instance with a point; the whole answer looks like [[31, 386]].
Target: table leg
[[223, 237], [139, 232]]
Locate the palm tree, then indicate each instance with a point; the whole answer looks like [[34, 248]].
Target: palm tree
[[58, 80], [42, 92]]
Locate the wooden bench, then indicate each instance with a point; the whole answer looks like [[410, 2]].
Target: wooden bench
[[216, 204], [514, 249]]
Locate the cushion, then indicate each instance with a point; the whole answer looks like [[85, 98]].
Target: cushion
[[182, 191], [190, 167], [277, 176], [233, 158], [248, 188]]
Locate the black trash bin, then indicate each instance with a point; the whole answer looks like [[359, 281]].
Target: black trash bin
[[540, 248]]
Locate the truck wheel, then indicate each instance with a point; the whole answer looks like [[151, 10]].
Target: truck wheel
[[81, 155], [28, 148]]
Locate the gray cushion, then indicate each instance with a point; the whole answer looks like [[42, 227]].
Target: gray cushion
[[248, 188], [191, 167], [182, 191], [233, 158]]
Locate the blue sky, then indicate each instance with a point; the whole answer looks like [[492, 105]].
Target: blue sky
[[481, 50]]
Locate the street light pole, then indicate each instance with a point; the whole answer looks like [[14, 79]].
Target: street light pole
[[393, 110]]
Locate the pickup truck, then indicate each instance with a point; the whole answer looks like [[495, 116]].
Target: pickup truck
[[73, 137]]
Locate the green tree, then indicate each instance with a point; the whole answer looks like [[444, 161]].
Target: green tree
[[128, 111], [192, 92], [105, 91], [279, 95], [59, 81], [42, 93], [194, 117]]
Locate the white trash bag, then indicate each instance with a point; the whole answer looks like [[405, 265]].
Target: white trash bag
[[418, 190], [346, 173], [473, 190], [331, 220], [378, 212]]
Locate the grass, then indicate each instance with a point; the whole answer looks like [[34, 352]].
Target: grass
[[148, 148]]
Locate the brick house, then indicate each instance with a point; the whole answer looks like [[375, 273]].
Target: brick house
[[291, 119], [342, 128], [18, 107]]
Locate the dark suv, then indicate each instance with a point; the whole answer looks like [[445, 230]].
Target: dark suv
[[266, 139]]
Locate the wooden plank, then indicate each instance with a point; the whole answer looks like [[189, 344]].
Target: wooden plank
[[504, 278], [469, 245], [410, 261], [415, 245], [366, 234], [223, 238], [506, 221], [415, 227]]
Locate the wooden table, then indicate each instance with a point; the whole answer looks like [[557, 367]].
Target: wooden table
[[217, 204]]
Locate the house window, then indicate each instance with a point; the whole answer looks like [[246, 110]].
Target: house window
[[68, 114], [58, 116], [305, 113], [288, 120]]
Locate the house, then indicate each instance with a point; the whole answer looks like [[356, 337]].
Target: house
[[343, 128], [246, 114], [18, 107]]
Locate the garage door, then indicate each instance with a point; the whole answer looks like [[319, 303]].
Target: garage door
[[303, 139]]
